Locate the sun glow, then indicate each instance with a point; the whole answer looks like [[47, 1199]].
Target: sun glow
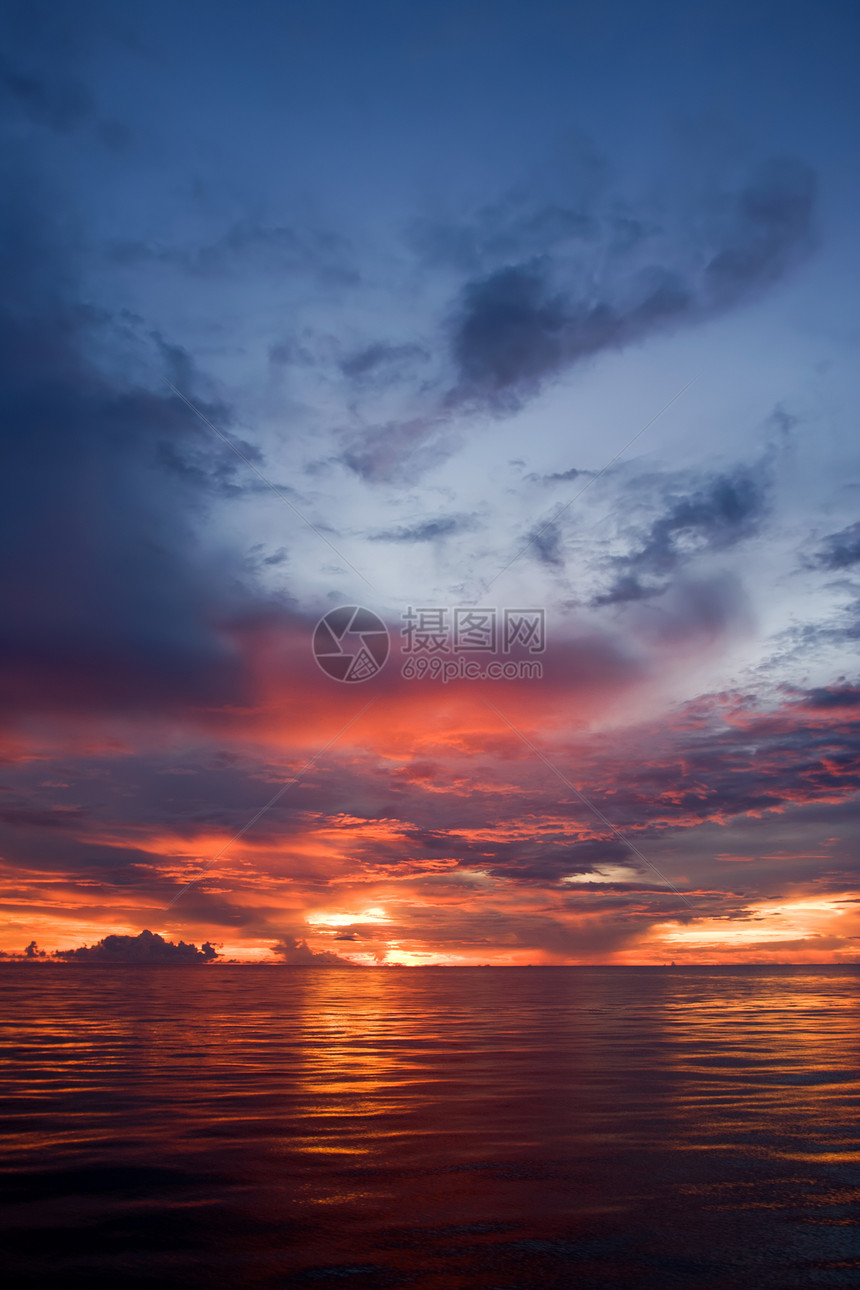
[[766, 923], [606, 873], [334, 918]]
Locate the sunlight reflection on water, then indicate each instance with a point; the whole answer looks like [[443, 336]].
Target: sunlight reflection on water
[[494, 1128]]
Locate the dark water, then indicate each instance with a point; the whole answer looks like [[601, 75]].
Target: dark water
[[495, 1128]]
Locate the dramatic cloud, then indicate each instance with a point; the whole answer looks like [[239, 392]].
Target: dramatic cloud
[[712, 518], [296, 952], [147, 947], [513, 330], [423, 393], [840, 550], [551, 287], [107, 588], [845, 696], [524, 322]]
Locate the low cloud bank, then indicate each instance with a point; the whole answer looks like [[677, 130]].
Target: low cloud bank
[[147, 947], [290, 949]]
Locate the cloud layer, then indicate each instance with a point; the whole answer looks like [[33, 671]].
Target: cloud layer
[[146, 947], [429, 365]]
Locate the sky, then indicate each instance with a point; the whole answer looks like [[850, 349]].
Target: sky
[[540, 312]]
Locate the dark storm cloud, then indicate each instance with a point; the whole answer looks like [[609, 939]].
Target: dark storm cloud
[[147, 947], [717, 515], [513, 330], [530, 318], [105, 587], [839, 550]]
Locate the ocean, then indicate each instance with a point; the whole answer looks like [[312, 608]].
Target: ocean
[[499, 1128]]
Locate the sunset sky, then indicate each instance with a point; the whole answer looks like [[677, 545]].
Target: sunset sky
[[320, 304]]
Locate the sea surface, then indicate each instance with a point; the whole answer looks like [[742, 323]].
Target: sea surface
[[499, 1128]]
